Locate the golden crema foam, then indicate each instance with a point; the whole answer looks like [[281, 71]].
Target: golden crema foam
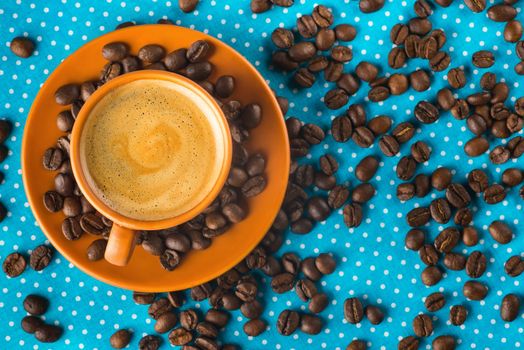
[[150, 152]]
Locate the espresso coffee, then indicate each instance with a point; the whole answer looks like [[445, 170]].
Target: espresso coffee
[[150, 151]]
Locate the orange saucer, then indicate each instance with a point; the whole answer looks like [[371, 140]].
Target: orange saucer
[[144, 273]]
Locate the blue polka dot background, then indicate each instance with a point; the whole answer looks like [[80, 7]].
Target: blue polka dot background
[[372, 261]]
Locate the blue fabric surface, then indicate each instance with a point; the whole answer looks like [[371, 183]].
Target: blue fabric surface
[[372, 261]]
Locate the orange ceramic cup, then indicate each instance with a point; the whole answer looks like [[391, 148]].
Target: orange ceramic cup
[[122, 238]]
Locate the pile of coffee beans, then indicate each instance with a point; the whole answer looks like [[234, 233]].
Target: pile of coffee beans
[[246, 178], [5, 130], [36, 306]]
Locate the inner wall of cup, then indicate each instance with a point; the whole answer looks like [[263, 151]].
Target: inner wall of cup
[[208, 108]]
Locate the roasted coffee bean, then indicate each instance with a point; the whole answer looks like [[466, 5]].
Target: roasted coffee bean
[[474, 290], [420, 152], [408, 343], [153, 244], [304, 78], [115, 51], [312, 133], [378, 93], [422, 185], [458, 315], [345, 32], [429, 255], [22, 47], [325, 263], [40, 257], [254, 327], [447, 239], [252, 309], [366, 168], [71, 229], [411, 45], [440, 210], [302, 51], [131, 64], [176, 60], [325, 182], [483, 59], [406, 168], [406, 191], [415, 239], [514, 266], [475, 5], [501, 13], [399, 33], [288, 321], [53, 201], [93, 224], [357, 345], [254, 186], [456, 78], [352, 215], [282, 283], [31, 323], [341, 129], [418, 217], [389, 145], [338, 196], [488, 81], [224, 86], [143, 298], [477, 125], [198, 71], [310, 270], [246, 290], [189, 319], [282, 38], [476, 146], [64, 184], [302, 226], [307, 27], [353, 310], [499, 155], [380, 124], [366, 71], [419, 81], [440, 37], [513, 31], [318, 303], [35, 305], [499, 93], [419, 26], [66, 94], [310, 324], [494, 194], [333, 72], [305, 289], [328, 164], [457, 195], [369, 6], [500, 232], [397, 58], [53, 158], [317, 64], [48, 333], [357, 115], [318, 208], [470, 236], [219, 318], [444, 342], [431, 275], [187, 5], [478, 180], [341, 54], [363, 137], [110, 71], [335, 98], [72, 206], [363, 193], [435, 302], [422, 8], [463, 217], [509, 308], [374, 314], [422, 325], [476, 264], [207, 330], [180, 336], [322, 16], [151, 53], [349, 83], [149, 342], [64, 121], [159, 307], [460, 110], [398, 84], [426, 112], [96, 250], [439, 61], [166, 322], [403, 132], [120, 339], [454, 261]]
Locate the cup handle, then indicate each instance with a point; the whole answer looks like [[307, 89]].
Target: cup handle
[[120, 245]]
